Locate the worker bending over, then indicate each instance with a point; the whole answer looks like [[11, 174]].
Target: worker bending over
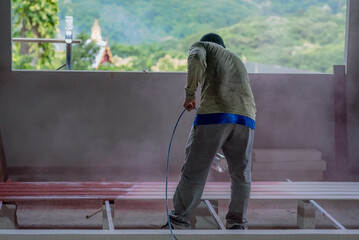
[[226, 120]]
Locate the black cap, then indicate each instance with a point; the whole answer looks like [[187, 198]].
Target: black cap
[[212, 37]]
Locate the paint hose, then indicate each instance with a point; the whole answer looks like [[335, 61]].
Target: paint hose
[[167, 173]]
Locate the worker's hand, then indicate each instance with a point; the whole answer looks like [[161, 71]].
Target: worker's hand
[[190, 104]]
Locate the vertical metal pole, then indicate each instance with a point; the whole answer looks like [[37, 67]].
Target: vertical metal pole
[[346, 37], [68, 56]]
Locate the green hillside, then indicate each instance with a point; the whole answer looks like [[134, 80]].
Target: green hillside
[[137, 21], [313, 41], [156, 34]]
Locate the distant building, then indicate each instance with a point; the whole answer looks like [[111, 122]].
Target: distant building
[[104, 55]]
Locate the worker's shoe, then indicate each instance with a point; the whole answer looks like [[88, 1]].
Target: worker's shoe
[[166, 226], [176, 226], [239, 227], [236, 225]]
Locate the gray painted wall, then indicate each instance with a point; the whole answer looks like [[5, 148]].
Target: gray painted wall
[[92, 119], [121, 123]]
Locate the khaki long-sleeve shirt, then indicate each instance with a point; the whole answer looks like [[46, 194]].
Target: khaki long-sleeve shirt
[[223, 78]]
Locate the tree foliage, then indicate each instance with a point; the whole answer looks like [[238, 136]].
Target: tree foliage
[[34, 19]]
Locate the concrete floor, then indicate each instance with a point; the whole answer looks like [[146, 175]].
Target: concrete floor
[[262, 214]]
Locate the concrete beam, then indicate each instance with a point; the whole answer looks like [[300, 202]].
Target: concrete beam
[[305, 215], [8, 217], [3, 168], [180, 234], [340, 118]]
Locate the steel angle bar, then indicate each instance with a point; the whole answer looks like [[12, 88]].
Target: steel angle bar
[[109, 215], [214, 215], [325, 213], [44, 40]]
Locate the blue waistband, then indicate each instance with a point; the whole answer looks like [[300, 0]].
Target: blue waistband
[[221, 118]]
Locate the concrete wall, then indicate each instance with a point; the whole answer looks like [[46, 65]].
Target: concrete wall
[[121, 123], [353, 85], [82, 119]]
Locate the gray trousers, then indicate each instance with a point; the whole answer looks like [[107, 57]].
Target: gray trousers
[[203, 143]]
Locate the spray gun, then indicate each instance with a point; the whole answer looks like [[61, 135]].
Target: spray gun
[[219, 163]]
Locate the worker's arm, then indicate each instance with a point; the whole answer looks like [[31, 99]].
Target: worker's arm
[[196, 67]]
